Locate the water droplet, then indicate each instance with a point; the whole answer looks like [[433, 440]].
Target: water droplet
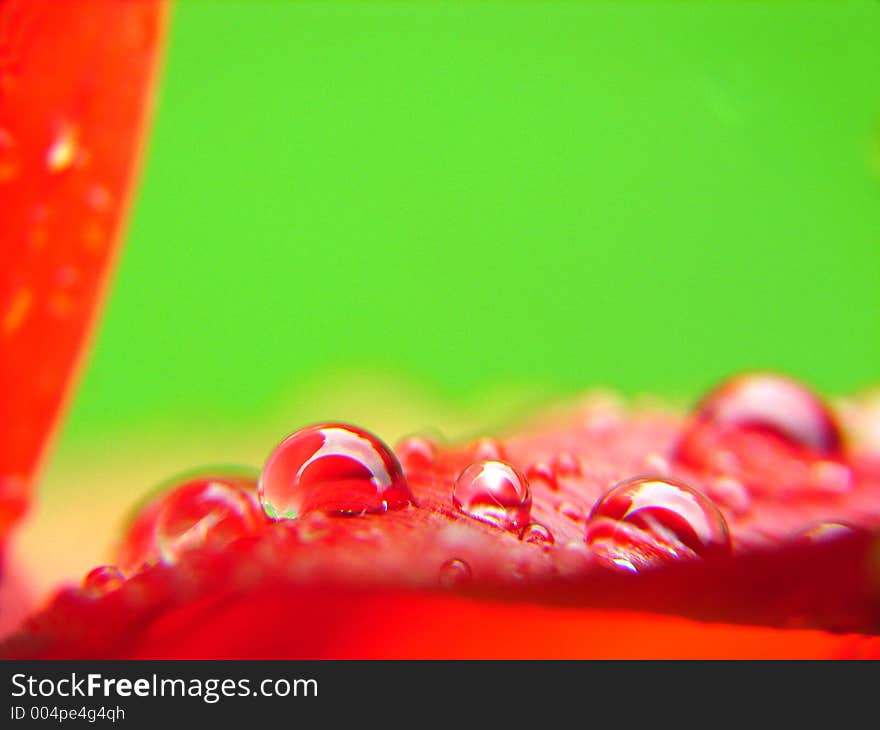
[[537, 534], [140, 545], [645, 521], [771, 406], [103, 580], [333, 468], [416, 453], [767, 431], [494, 492], [455, 573], [542, 472], [485, 449], [204, 511], [570, 510], [567, 464], [821, 532]]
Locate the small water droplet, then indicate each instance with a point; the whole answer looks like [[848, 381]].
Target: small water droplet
[[645, 521], [570, 510], [494, 492], [455, 573], [567, 464], [334, 468], [821, 532], [103, 580], [487, 449], [541, 471], [416, 453], [537, 534]]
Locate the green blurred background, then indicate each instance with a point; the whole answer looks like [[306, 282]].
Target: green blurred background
[[465, 196]]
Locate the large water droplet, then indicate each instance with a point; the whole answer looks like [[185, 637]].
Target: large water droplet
[[645, 521], [767, 404], [204, 511], [334, 468], [494, 492], [767, 431], [209, 505]]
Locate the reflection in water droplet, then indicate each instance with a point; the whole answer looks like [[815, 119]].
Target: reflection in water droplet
[[455, 573], [494, 492], [645, 521], [334, 468]]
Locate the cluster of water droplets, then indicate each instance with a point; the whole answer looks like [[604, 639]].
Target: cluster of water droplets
[[644, 521]]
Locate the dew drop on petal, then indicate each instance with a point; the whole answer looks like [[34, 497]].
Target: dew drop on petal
[[645, 521], [416, 453], [201, 512], [541, 471], [222, 498], [102, 580], [765, 404], [571, 511], [494, 492], [333, 468], [537, 534], [567, 464], [486, 449], [455, 573]]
